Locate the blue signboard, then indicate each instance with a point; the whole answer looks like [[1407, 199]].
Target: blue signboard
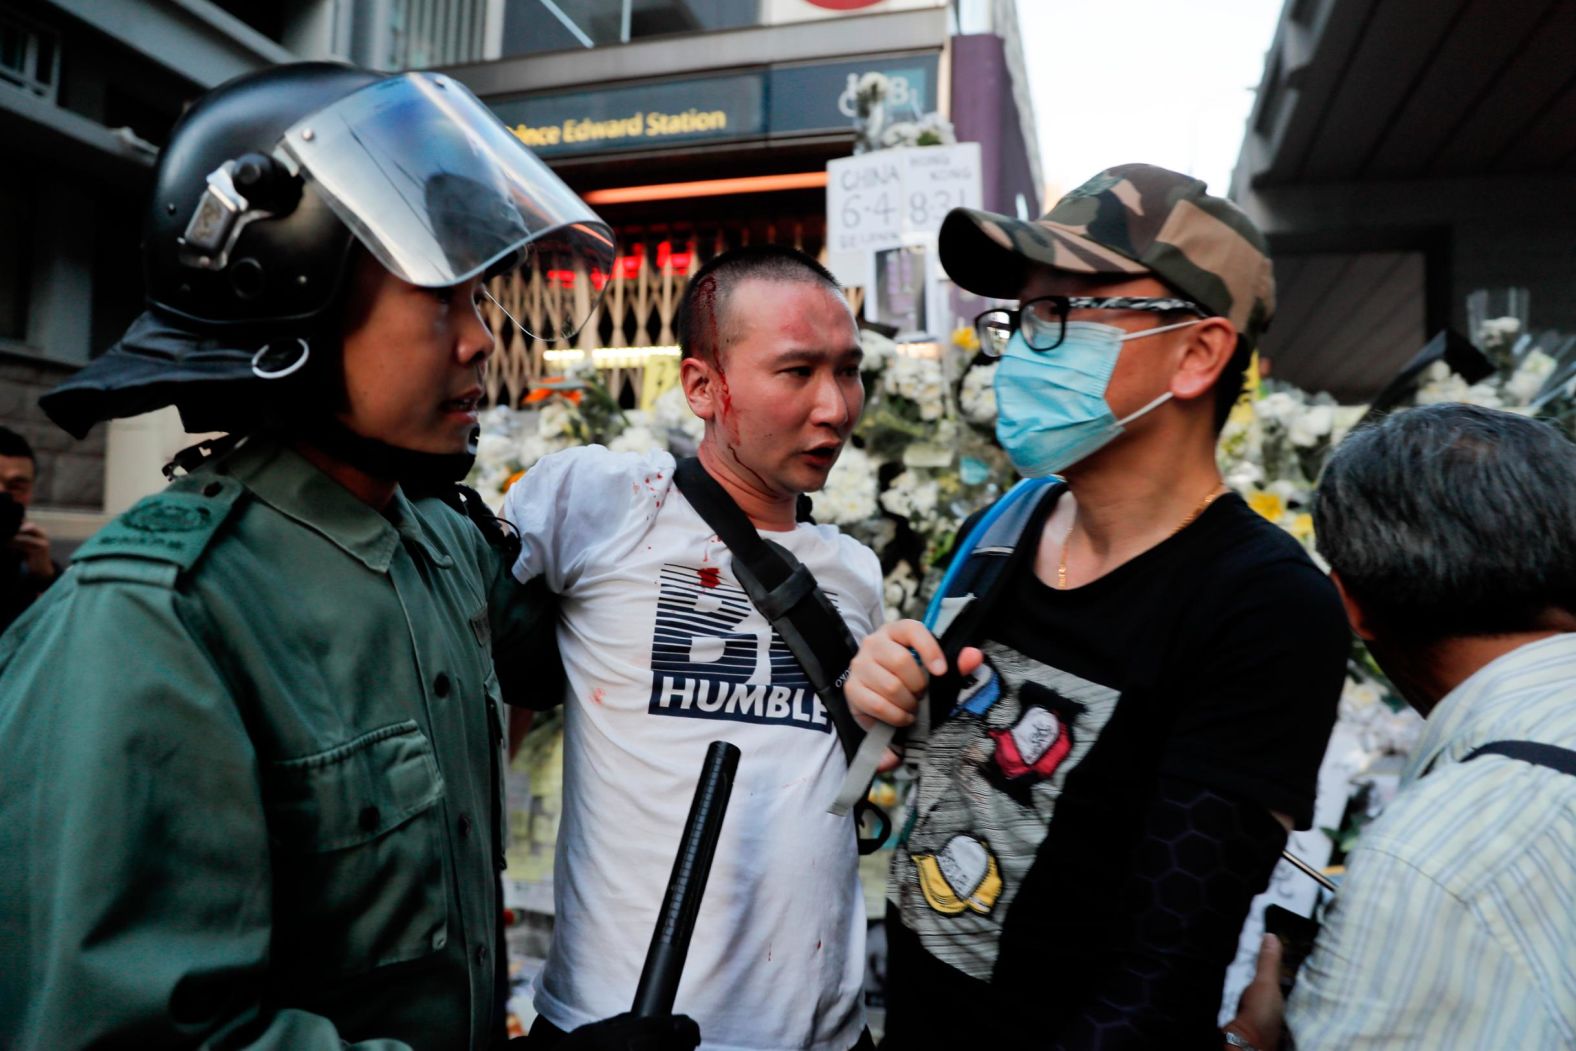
[[822, 97], [700, 108], [783, 100]]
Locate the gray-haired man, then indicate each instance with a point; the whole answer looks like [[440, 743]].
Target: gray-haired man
[[1451, 533]]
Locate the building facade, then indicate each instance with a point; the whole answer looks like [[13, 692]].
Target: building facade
[[691, 125], [1400, 156]]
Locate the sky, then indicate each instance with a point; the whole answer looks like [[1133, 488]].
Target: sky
[[1167, 82]]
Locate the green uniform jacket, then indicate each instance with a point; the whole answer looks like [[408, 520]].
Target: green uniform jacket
[[249, 792]]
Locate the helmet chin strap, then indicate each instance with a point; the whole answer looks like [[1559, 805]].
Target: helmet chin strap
[[416, 472]]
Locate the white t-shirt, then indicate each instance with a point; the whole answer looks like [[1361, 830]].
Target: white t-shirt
[[665, 653]]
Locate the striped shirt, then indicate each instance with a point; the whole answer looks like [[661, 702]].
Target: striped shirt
[[1456, 924]]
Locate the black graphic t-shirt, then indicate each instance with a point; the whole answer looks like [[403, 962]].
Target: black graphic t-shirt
[[1213, 661]]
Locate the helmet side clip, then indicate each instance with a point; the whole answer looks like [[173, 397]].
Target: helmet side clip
[[239, 192]]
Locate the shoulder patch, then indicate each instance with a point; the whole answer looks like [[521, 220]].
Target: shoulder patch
[[173, 527]]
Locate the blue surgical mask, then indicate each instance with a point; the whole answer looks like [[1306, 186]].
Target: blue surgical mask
[[1050, 405]]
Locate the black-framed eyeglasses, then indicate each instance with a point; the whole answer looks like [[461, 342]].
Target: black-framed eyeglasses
[[1043, 320]]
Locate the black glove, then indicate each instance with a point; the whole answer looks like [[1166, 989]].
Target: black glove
[[625, 1032]]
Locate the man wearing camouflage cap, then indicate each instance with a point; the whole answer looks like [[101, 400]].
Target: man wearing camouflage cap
[[1136, 675]]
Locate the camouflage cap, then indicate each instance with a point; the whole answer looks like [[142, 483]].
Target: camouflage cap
[[1132, 219]]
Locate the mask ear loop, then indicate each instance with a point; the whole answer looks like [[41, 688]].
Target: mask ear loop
[[1163, 328], [1130, 417]]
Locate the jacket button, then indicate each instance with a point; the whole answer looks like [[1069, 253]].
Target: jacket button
[[481, 954], [465, 825], [212, 489], [439, 939], [370, 816], [440, 685]]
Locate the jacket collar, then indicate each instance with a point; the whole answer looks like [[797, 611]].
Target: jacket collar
[[289, 483], [1485, 706]]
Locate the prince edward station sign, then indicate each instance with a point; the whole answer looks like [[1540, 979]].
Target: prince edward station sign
[[778, 101]]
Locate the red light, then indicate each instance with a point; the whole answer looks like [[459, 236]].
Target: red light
[[679, 261]]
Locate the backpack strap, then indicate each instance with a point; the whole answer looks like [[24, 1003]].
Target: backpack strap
[[785, 592], [980, 564], [1535, 752]]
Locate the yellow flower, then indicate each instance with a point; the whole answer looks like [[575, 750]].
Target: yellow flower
[[965, 338], [1302, 527], [1267, 504]]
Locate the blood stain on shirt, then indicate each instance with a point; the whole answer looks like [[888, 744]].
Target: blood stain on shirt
[[710, 576], [597, 694]]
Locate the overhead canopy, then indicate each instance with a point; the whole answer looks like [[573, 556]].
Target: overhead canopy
[[1400, 154]]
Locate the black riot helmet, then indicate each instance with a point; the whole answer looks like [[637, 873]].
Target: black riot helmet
[[279, 260], [267, 184]]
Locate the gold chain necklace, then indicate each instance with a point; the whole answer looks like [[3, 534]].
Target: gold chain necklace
[[1213, 495]]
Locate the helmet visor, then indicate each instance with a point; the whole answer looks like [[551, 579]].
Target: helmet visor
[[440, 192]]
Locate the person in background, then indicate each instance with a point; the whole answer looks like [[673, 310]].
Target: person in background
[[1450, 531], [25, 566]]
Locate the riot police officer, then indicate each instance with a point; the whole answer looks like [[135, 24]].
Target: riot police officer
[[252, 738]]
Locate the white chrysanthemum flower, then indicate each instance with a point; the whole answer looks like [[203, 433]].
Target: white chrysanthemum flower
[[875, 85], [1484, 394], [1245, 476], [533, 447], [910, 497], [977, 398], [849, 495], [1496, 332], [1529, 378], [1357, 697], [494, 449], [1289, 492], [898, 590], [636, 439], [920, 381], [1279, 407], [879, 350], [1310, 425], [553, 419]]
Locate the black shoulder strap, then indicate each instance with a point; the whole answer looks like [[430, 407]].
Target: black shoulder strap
[[1535, 752], [786, 594]]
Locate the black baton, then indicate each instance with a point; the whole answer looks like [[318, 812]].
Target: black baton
[[659, 979]]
